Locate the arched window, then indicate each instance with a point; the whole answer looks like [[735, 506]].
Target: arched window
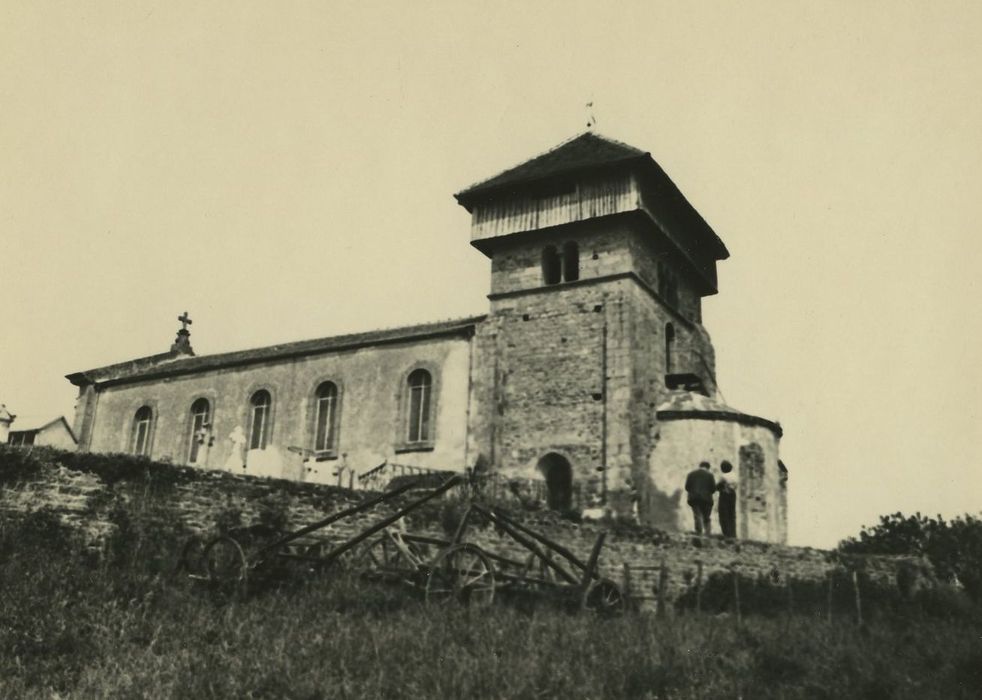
[[559, 481], [259, 426], [551, 265], [669, 348], [571, 262], [200, 415], [325, 412], [420, 385], [142, 423]]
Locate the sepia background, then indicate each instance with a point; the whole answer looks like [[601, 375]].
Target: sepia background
[[285, 170]]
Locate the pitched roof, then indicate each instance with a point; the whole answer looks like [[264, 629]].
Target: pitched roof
[[5, 415], [36, 423], [167, 364], [584, 151], [591, 151]]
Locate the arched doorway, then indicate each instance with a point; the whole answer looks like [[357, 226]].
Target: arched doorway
[[559, 481]]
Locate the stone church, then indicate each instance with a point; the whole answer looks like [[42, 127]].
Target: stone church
[[590, 373]]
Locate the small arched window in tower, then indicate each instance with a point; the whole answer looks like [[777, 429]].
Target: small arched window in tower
[[326, 410], [259, 425], [669, 348], [571, 262], [420, 385], [142, 423], [551, 265], [199, 424]]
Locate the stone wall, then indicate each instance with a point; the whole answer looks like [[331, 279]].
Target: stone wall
[[88, 491]]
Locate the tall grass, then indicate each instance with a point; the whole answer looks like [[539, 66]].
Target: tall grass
[[73, 624]]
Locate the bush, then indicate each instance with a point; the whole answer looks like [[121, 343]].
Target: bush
[[953, 547]]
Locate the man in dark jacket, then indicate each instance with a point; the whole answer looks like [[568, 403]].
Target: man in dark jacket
[[700, 487]]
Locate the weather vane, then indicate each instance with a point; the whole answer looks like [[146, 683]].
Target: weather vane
[[591, 120]]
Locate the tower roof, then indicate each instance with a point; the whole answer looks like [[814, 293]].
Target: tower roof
[[588, 150], [585, 156]]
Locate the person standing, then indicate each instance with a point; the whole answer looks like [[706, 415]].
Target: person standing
[[726, 508], [700, 487]]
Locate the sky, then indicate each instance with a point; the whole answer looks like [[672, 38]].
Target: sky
[[285, 171]]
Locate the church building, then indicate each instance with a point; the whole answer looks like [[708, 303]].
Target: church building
[[590, 374]]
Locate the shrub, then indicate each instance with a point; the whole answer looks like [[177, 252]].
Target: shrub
[[953, 547]]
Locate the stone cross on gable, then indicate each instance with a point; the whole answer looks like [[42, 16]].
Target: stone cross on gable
[[182, 344]]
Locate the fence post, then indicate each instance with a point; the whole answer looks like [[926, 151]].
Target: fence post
[[698, 587], [627, 580], [736, 595], [790, 591], [859, 605], [828, 595], [662, 585]]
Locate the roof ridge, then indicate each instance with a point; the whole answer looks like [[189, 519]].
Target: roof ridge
[[439, 325], [35, 421], [588, 132], [462, 320], [622, 144]]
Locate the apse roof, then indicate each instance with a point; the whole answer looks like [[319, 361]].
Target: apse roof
[[683, 404]]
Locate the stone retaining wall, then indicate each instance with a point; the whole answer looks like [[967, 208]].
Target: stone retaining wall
[[91, 497]]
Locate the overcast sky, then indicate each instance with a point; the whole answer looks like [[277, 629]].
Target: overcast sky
[[285, 170]]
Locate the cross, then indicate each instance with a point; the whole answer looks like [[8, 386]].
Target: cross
[[185, 321]]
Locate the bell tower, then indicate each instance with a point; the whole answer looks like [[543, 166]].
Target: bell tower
[[598, 269]]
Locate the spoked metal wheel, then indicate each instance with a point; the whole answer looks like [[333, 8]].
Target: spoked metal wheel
[[386, 559], [225, 561], [461, 573], [191, 561], [605, 598]]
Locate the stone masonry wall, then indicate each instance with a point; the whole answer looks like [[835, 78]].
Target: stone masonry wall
[[549, 391], [539, 383], [196, 501]]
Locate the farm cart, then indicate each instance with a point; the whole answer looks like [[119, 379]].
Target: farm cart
[[457, 570], [441, 569], [229, 559]]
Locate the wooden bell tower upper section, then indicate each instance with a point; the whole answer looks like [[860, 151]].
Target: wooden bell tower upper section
[[590, 178]]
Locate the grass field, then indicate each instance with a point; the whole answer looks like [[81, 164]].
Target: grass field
[[72, 625]]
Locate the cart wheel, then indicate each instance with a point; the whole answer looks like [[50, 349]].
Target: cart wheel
[[462, 573], [225, 561], [383, 559], [605, 597], [379, 555]]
